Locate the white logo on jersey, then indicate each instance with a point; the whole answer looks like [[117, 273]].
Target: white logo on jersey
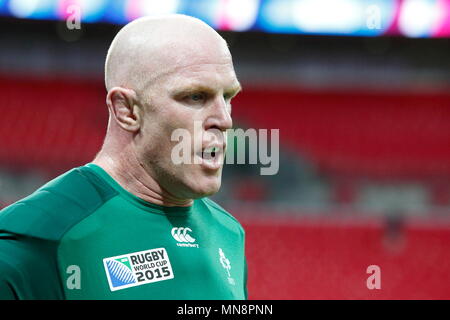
[[226, 265], [182, 236]]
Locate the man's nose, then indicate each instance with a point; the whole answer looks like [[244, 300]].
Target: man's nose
[[220, 117]]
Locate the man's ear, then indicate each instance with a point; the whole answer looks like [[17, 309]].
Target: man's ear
[[123, 107]]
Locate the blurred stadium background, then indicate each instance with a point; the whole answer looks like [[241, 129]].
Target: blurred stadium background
[[359, 91]]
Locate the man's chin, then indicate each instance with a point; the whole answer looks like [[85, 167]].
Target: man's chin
[[204, 193], [206, 189]]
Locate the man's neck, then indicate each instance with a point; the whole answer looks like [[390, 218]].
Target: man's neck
[[130, 175]]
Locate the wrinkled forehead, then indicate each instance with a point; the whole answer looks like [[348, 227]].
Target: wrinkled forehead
[[200, 77], [184, 61]]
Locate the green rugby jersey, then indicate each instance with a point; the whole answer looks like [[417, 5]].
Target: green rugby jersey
[[82, 236]]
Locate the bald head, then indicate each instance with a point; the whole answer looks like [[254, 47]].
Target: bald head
[[150, 47]]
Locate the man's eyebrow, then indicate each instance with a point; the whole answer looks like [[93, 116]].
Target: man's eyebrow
[[236, 89], [187, 89], [190, 88]]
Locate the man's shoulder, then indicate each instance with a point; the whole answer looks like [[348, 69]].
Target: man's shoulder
[[220, 211], [28, 268], [56, 206]]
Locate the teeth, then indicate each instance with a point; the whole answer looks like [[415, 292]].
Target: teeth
[[210, 152]]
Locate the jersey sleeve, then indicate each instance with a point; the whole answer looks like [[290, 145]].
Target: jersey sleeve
[[28, 269]]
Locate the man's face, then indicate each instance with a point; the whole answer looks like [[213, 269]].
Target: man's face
[[197, 98]]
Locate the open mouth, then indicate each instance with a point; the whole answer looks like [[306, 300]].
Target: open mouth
[[211, 157]]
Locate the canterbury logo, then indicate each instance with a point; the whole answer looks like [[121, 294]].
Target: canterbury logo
[[181, 235]]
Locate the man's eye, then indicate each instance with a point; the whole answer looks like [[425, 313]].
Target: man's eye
[[197, 97]]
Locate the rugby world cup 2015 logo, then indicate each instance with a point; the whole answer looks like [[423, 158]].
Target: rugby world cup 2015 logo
[[137, 268]]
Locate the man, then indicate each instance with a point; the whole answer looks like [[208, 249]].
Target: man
[[134, 223]]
